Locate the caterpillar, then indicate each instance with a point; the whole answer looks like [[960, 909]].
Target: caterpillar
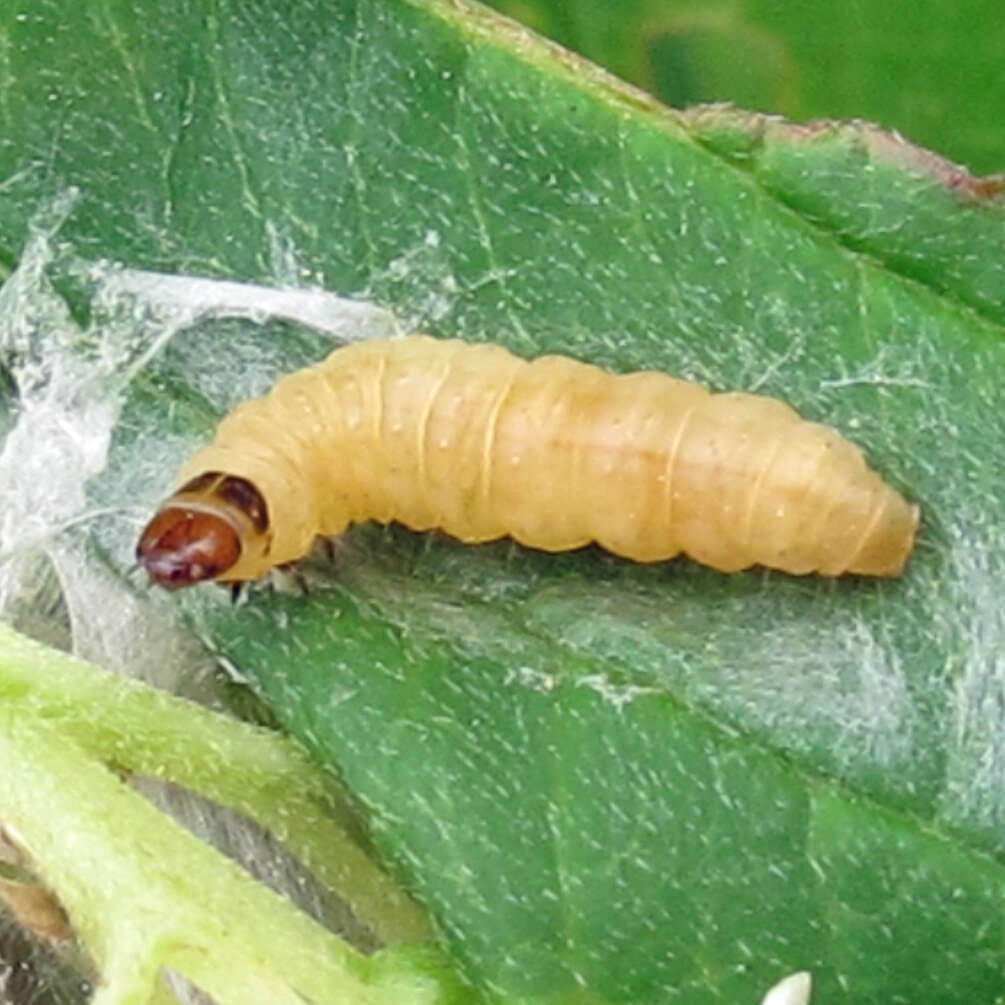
[[554, 453]]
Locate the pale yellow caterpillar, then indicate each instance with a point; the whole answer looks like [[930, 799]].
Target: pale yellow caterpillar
[[552, 452]]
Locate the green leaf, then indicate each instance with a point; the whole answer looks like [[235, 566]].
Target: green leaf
[[605, 781]]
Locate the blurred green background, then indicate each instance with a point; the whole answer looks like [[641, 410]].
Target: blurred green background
[[931, 69]]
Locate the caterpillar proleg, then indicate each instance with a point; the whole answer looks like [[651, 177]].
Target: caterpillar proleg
[[551, 452]]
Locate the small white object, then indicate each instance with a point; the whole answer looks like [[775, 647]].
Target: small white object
[[792, 990]]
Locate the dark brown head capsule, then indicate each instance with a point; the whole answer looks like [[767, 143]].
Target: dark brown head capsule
[[183, 546]]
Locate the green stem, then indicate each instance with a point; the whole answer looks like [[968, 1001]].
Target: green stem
[[143, 893], [133, 727]]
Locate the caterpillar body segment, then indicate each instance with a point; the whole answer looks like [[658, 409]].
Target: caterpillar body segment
[[552, 452]]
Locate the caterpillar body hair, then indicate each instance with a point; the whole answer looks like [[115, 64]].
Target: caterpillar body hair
[[555, 453]]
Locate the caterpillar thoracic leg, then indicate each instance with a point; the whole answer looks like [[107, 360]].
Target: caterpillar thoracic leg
[[555, 453]]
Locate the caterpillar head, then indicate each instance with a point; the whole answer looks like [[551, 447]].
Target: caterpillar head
[[203, 531]]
